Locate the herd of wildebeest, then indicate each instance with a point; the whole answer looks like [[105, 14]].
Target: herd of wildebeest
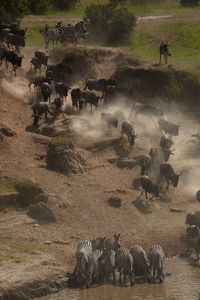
[[97, 260]]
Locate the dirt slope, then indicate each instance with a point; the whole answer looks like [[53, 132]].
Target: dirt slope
[[80, 201]]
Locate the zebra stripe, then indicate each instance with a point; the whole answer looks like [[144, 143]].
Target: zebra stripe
[[92, 271], [50, 35], [84, 250], [124, 263], [107, 265]]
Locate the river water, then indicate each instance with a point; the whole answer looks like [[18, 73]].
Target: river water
[[183, 284]]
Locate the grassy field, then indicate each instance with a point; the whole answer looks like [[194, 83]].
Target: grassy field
[[181, 29]]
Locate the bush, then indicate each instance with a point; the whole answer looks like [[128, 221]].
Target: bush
[[189, 2], [142, 2], [12, 10], [38, 6], [65, 4], [41, 212], [109, 24]]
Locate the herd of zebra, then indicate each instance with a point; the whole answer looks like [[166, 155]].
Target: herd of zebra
[[63, 34], [97, 261]]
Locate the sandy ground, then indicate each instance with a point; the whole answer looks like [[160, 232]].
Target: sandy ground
[[80, 201]]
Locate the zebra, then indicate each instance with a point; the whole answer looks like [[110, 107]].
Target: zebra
[[50, 35], [107, 265], [156, 257], [66, 33], [141, 266], [124, 262], [92, 272], [84, 250]]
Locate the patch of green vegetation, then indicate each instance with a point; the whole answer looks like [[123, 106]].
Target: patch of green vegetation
[[143, 44], [7, 185], [27, 186], [61, 140], [27, 247], [33, 37], [41, 212]]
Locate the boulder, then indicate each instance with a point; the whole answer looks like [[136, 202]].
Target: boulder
[[115, 201], [62, 157], [126, 163], [41, 212]]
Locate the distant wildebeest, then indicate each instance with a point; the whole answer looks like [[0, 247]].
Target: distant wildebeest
[[100, 85], [90, 98], [165, 144], [43, 59], [140, 262], [62, 89], [149, 187], [198, 195], [157, 257], [77, 101], [168, 127], [110, 120], [147, 110], [195, 244], [13, 58], [128, 129], [39, 109], [46, 90], [193, 231], [171, 177], [163, 50], [112, 93], [60, 71]]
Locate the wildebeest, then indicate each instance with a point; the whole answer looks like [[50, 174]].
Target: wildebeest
[[42, 58], [77, 101], [193, 231], [99, 85], [113, 92], [168, 127], [198, 195], [163, 50], [195, 243], [60, 70], [13, 58], [193, 219], [171, 177], [147, 110], [110, 120], [149, 187], [58, 103], [90, 98], [37, 81], [145, 163], [124, 264], [156, 257], [15, 40], [61, 89], [165, 144], [39, 109], [46, 90], [36, 63], [140, 262], [128, 129]]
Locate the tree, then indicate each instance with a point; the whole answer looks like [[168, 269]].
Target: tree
[[38, 6], [12, 10], [64, 4], [109, 24], [189, 2]]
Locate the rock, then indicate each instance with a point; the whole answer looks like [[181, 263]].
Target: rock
[[176, 210], [6, 131], [63, 157], [115, 201], [41, 212], [75, 236], [126, 163], [47, 242]]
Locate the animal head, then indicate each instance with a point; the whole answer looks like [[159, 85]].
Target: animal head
[[175, 179]]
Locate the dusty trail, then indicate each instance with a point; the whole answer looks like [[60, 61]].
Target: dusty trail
[[80, 201]]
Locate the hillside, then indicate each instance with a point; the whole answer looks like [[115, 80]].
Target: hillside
[[79, 201]]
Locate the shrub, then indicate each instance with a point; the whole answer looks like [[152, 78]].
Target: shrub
[[189, 2], [109, 24], [12, 10], [142, 2], [65, 4], [38, 6], [41, 212]]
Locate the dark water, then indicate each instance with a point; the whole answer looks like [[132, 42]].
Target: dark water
[[183, 284]]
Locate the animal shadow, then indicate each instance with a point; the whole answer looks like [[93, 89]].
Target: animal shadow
[[138, 203], [120, 150]]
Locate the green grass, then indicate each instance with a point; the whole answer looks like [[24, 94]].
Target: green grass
[[7, 185], [60, 140], [27, 247]]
